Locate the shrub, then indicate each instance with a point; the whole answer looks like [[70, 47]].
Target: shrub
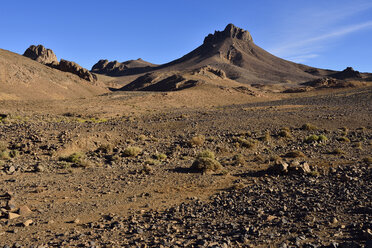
[[132, 151], [343, 139], [309, 127], [197, 140], [311, 138], [77, 159], [151, 162], [4, 155], [322, 138], [248, 143], [206, 162], [285, 132], [160, 156]]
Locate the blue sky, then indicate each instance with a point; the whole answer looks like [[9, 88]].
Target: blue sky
[[330, 34]]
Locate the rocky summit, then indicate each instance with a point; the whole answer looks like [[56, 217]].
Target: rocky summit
[[41, 54], [47, 57], [231, 31]]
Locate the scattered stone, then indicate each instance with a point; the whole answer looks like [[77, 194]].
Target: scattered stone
[[24, 210], [27, 223], [12, 216]]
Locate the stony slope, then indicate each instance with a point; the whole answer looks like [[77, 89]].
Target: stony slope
[[22, 78]]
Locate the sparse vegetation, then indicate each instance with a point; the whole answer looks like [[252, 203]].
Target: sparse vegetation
[[314, 138], [132, 151], [206, 162], [4, 152], [160, 156], [285, 132], [343, 139], [197, 140], [77, 159], [309, 127], [247, 143]]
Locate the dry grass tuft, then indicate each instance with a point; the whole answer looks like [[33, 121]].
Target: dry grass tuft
[[206, 162], [132, 151], [197, 140]]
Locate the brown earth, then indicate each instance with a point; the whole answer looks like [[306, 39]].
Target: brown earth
[[213, 160], [23, 78], [103, 195]]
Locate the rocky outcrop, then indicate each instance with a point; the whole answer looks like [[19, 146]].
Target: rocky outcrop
[[155, 82], [47, 57], [41, 54], [210, 71], [230, 31], [72, 67], [115, 68], [348, 73]]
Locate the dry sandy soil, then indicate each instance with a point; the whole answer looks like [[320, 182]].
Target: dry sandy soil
[[68, 161]]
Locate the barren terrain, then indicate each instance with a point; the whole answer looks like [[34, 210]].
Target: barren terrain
[[114, 170]]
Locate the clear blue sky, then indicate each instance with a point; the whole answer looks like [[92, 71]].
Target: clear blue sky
[[327, 34]]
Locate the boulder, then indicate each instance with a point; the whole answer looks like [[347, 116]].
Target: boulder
[[41, 54]]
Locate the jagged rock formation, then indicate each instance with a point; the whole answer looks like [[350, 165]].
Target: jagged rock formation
[[115, 68], [41, 54], [69, 66], [160, 82], [47, 57], [230, 31], [348, 73], [208, 70]]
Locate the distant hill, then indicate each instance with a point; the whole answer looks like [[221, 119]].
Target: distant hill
[[22, 78], [232, 53], [115, 68]]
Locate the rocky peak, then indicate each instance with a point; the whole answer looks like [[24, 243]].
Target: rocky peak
[[349, 72], [231, 31], [41, 54]]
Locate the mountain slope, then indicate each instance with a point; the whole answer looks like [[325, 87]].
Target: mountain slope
[[233, 51], [22, 78]]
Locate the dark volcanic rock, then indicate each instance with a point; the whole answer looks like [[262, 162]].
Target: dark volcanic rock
[[230, 31], [153, 82], [348, 73], [41, 54], [69, 66]]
